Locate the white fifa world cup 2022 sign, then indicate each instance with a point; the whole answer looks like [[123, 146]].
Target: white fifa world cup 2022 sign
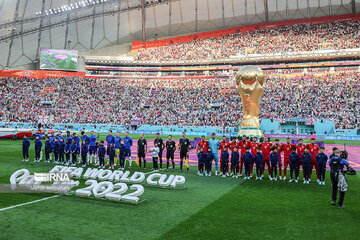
[[112, 185]]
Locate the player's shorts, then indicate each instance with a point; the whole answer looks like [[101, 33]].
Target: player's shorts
[[127, 153], [141, 154], [183, 153], [160, 154], [216, 157], [92, 150], [117, 151], [170, 155], [286, 162]]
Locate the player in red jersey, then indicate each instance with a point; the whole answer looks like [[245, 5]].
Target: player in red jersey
[[313, 150], [300, 148], [233, 144], [243, 145], [223, 144], [265, 149], [287, 148], [279, 149], [253, 145], [204, 145]]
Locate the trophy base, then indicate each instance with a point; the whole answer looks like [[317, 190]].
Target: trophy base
[[250, 132]]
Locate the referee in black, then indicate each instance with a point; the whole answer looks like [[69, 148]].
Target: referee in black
[[142, 149], [170, 150], [161, 145], [184, 144]]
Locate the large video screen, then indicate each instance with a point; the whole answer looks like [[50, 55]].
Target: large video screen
[[58, 59]]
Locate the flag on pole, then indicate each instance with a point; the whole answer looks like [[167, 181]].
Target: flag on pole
[[187, 162], [137, 161]]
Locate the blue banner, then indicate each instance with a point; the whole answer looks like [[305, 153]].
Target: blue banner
[[335, 137]]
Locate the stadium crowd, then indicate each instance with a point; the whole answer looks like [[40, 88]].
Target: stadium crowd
[[182, 102], [293, 38]]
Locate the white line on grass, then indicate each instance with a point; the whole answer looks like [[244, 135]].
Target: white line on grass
[[27, 203]]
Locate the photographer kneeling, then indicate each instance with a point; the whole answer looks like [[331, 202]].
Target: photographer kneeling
[[338, 179]]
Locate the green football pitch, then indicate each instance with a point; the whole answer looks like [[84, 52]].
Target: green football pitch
[[208, 208]]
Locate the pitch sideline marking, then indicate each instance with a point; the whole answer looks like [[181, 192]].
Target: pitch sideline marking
[[27, 203]]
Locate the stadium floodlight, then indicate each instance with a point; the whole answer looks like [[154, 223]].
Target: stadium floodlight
[[72, 6]]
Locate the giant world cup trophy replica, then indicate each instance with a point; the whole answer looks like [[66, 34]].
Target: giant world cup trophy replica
[[250, 81]]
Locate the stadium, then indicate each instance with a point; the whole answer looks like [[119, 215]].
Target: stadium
[[179, 119]]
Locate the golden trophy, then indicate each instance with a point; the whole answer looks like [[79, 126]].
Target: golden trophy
[[250, 81]]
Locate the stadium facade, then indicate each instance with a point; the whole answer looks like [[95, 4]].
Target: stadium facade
[[107, 27]]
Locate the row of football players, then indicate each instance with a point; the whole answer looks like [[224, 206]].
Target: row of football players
[[245, 153], [67, 149]]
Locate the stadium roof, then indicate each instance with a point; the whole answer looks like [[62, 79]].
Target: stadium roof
[[29, 25]]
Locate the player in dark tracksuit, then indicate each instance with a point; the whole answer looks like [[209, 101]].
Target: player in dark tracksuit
[[111, 156], [67, 151], [56, 150], [25, 148], [294, 164], [321, 160], [38, 146], [201, 161], [84, 152], [101, 153], [74, 152], [306, 161], [259, 159], [248, 159], [122, 156], [48, 149], [78, 147], [209, 160], [224, 161], [274, 162], [235, 157], [61, 150]]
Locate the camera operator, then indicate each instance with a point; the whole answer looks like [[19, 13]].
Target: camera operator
[[338, 179]]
